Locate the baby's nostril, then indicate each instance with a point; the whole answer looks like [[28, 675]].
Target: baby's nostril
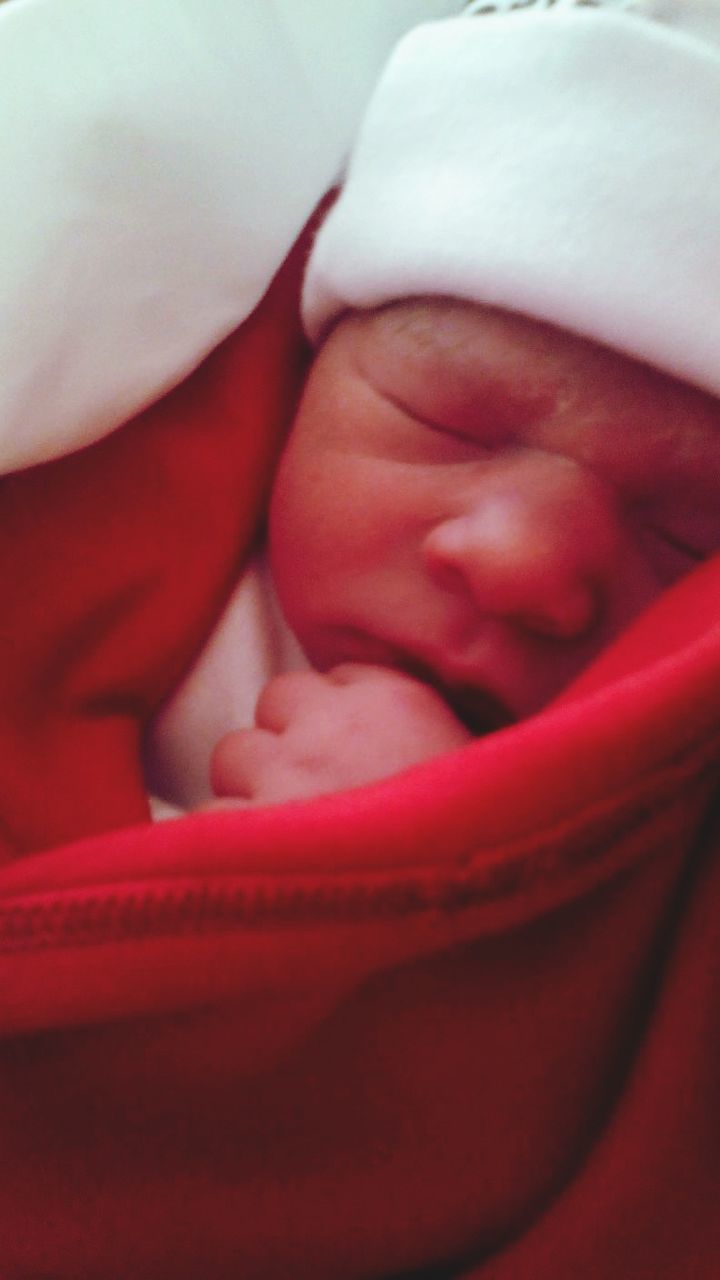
[[447, 576], [566, 617]]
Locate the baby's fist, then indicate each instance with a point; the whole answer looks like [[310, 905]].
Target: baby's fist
[[317, 733]]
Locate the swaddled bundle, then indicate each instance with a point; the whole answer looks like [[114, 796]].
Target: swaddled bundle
[[458, 1022]]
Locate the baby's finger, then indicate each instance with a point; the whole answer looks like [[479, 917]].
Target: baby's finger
[[241, 761], [284, 698]]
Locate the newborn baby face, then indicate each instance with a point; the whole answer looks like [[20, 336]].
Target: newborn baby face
[[485, 501]]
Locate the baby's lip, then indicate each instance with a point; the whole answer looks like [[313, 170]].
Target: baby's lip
[[464, 690]]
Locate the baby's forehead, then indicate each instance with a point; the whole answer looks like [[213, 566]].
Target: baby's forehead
[[459, 336], [503, 375], [451, 340], [471, 342], [474, 349], [431, 327]]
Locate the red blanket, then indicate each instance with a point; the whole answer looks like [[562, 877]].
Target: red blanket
[[461, 1023]]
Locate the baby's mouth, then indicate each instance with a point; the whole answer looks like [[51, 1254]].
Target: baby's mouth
[[480, 712], [476, 708]]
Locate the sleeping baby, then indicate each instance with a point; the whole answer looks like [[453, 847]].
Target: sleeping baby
[[509, 442]]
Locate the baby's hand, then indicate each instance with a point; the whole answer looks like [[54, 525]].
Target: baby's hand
[[318, 733]]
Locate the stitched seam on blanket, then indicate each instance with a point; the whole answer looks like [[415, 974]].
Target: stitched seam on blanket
[[85, 918]]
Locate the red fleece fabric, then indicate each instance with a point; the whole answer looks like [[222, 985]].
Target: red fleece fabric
[[462, 1023], [115, 561]]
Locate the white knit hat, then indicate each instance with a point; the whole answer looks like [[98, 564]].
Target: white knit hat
[[559, 158]]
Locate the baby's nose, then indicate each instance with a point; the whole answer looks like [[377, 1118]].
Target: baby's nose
[[535, 539]]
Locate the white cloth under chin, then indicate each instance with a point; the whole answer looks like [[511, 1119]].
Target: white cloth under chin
[[250, 644]]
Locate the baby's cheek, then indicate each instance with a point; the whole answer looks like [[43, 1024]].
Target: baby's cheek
[[315, 515]]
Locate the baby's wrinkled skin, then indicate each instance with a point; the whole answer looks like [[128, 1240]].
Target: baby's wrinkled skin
[[470, 507]]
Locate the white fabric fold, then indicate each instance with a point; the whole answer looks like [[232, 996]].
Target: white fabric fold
[[250, 644], [158, 158]]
